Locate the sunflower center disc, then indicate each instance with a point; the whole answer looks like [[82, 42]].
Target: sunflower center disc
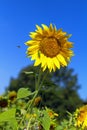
[[49, 47]]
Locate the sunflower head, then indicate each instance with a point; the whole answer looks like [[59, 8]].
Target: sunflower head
[[3, 102], [37, 100], [81, 117], [51, 113], [49, 47], [12, 95]]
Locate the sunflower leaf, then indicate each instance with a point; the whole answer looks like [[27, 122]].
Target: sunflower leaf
[[45, 120], [23, 92], [8, 115]]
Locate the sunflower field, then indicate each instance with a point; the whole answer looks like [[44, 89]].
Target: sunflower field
[[51, 50]]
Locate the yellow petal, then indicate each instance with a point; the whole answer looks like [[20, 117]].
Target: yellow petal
[[37, 62], [50, 64], [55, 29], [68, 44], [39, 29], [56, 62], [62, 59], [44, 68], [45, 27], [34, 56], [33, 35], [51, 27], [54, 68], [43, 60], [34, 47], [32, 42]]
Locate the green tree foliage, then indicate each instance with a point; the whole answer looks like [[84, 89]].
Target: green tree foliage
[[59, 90]]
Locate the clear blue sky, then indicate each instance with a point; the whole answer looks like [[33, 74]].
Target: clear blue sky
[[18, 18]]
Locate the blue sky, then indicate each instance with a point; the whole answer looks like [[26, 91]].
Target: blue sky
[[19, 17]]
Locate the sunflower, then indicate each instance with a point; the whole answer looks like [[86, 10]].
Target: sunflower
[[12, 95], [81, 117], [49, 47], [51, 113]]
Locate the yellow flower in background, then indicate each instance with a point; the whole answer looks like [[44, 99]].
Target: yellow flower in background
[[3, 102], [49, 47], [81, 117], [12, 95], [51, 113], [28, 116], [37, 100]]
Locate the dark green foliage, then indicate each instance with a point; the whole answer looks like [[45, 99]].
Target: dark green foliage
[[59, 90]]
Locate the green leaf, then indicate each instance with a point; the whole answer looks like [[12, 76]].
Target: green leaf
[[59, 128], [45, 120], [13, 124], [23, 92], [7, 115]]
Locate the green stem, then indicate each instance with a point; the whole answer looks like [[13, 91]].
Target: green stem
[[41, 84], [29, 124], [38, 81], [29, 109]]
